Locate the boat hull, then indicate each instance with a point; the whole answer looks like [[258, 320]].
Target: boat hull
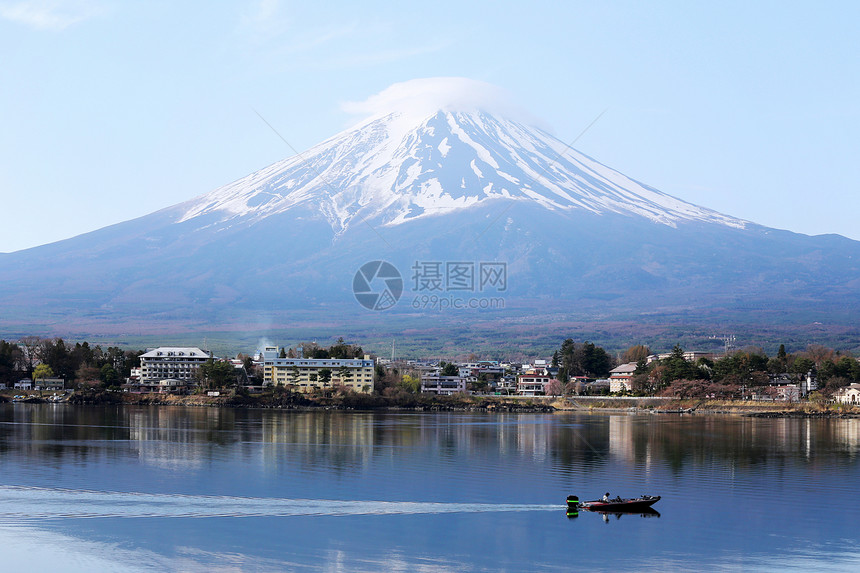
[[621, 505]]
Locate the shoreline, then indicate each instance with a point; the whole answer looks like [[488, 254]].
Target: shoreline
[[301, 402], [744, 408], [431, 403]]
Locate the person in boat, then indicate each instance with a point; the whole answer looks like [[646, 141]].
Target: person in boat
[[606, 497]]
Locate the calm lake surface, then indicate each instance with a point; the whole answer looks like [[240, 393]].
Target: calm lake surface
[[205, 489]]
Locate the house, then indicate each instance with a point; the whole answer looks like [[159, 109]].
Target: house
[[533, 384], [137, 387], [620, 376], [443, 385], [172, 386], [172, 362], [467, 369], [848, 395], [484, 370], [24, 384], [310, 374], [600, 386], [809, 383], [505, 385], [804, 384], [52, 384], [788, 392]]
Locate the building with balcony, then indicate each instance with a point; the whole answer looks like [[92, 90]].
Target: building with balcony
[[620, 377], [443, 385], [311, 374], [172, 363], [533, 384]]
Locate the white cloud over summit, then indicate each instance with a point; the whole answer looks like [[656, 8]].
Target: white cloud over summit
[[421, 98]]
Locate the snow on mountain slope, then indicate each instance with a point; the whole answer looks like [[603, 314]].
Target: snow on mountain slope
[[431, 170], [435, 158]]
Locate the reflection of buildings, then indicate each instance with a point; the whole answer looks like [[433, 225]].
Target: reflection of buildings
[[623, 436], [847, 433], [179, 438], [451, 448], [533, 439], [634, 438], [340, 440]]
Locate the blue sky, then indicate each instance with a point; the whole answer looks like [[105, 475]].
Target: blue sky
[[110, 110]]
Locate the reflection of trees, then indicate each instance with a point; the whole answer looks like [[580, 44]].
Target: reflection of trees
[[56, 432], [61, 432], [744, 442], [342, 443], [584, 440], [581, 442]]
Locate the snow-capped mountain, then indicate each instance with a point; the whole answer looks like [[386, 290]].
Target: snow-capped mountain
[[440, 172], [391, 171]]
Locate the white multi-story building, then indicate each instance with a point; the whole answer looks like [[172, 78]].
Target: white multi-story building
[[533, 384], [172, 363], [444, 385], [309, 374], [620, 377], [689, 356]]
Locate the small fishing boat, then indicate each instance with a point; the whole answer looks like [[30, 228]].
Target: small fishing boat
[[618, 504]]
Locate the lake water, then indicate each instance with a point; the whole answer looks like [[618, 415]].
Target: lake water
[[205, 489]]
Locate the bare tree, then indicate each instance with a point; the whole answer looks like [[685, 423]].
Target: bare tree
[[818, 353], [636, 353], [31, 346]]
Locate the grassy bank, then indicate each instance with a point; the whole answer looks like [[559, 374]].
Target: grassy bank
[[740, 407], [425, 402]]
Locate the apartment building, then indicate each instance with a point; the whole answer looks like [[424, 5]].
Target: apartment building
[[310, 374], [172, 363]]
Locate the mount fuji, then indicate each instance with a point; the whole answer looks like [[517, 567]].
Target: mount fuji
[[436, 178]]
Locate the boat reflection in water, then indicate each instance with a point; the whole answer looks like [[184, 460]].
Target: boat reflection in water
[[645, 512]]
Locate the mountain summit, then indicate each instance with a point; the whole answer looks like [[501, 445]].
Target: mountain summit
[[443, 173], [434, 156]]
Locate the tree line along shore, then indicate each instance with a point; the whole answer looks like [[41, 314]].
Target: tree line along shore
[[428, 403], [96, 374]]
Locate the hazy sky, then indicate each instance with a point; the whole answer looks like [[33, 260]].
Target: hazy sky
[[110, 110]]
